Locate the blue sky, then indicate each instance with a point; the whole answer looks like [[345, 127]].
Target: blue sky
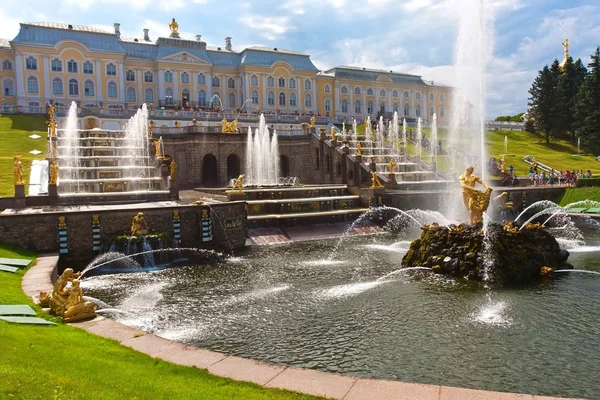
[[414, 36]]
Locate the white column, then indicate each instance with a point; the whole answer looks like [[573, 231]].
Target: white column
[[122, 80], [352, 110], [176, 94], [413, 112], [141, 96], [99, 88], [47, 87], [264, 102], [209, 86], [193, 93], [314, 95], [161, 83], [336, 94], [20, 82]]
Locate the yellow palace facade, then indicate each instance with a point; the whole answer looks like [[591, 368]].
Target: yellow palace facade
[[59, 63]]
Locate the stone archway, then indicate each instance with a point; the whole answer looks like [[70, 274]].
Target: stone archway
[[210, 171], [233, 166]]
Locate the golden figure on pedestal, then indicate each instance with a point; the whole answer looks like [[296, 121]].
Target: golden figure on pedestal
[[53, 173], [137, 223], [392, 165], [18, 171], [174, 27], [150, 130], [173, 170], [358, 150], [67, 301], [375, 183], [239, 183], [475, 201], [157, 148], [312, 121], [229, 127], [333, 134]]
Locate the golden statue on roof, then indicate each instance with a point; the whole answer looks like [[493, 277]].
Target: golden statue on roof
[[565, 45], [174, 26]]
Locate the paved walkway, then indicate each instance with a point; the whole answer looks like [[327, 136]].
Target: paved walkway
[[308, 381]]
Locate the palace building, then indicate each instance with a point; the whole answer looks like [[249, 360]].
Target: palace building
[[59, 63]]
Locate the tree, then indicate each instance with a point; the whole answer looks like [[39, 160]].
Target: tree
[[587, 108], [570, 81], [542, 100]]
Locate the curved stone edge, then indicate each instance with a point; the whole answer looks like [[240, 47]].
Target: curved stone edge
[[318, 383]]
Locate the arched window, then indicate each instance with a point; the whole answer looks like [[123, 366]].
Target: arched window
[[149, 95], [418, 96], [270, 81], [169, 94], [357, 107], [9, 87], [307, 84], [282, 99], [308, 101], [130, 95], [185, 94], [281, 82], [293, 100], [201, 79], [56, 65], [254, 97], [370, 108], [202, 97], [111, 69], [57, 86], [72, 66], [185, 77], [112, 90], [7, 65], [231, 83], [292, 83], [327, 89], [271, 99], [344, 90], [431, 97], [442, 98], [31, 63], [370, 92], [396, 107], [216, 82], [168, 76], [344, 106], [406, 110], [431, 111], [254, 80], [357, 90], [215, 100], [395, 93], [231, 99], [406, 95], [328, 104], [88, 68], [73, 87], [32, 85], [382, 106], [148, 77], [382, 92], [88, 88], [442, 112], [130, 76], [418, 110]]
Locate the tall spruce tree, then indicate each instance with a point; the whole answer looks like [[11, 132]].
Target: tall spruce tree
[[587, 109], [570, 81], [541, 102]]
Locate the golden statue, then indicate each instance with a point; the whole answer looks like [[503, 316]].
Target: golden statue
[[312, 121], [229, 127], [76, 308], [566, 50], [52, 125], [239, 183], [53, 172], [18, 171], [157, 148], [358, 150], [177, 124], [173, 170], [95, 219], [51, 111], [136, 225], [392, 165], [67, 301], [174, 26], [333, 134], [375, 183], [62, 222], [150, 129], [475, 201], [176, 216], [510, 227]]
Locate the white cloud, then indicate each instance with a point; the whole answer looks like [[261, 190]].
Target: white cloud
[[271, 28]]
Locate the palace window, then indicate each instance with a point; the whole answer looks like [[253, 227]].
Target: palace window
[[7, 65], [396, 107], [344, 90], [168, 76], [201, 79], [254, 97], [418, 96], [202, 97], [216, 82], [73, 87], [88, 68], [9, 88], [442, 97], [307, 84], [357, 91], [418, 110], [130, 95], [149, 95], [308, 101], [72, 66], [370, 108], [270, 81], [442, 112], [281, 82], [382, 93], [111, 69], [406, 95], [357, 107], [344, 106], [328, 104], [254, 80], [32, 85], [231, 99], [271, 99], [130, 76], [185, 94], [370, 92], [293, 100], [31, 63], [431, 97], [112, 90], [327, 89], [88, 88], [148, 77], [216, 100], [185, 77], [57, 87], [406, 110], [292, 83], [431, 111], [395, 93], [169, 94], [282, 99], [231, 83], [56, 65]]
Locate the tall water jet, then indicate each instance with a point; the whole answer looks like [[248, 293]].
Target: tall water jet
[[404, 136], [434, 139], [395, 130], [262, 156], [136, 143], [419, 136], [71, 144], [505, 144]]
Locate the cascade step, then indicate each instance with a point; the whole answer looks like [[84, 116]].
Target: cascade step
[[308, 214]]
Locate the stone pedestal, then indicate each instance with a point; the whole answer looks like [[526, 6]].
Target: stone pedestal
[[19, 191], [236, 196], [322, 134], [345, 150], [52, 190], [173, 190], [372, 166], [358, 159], [335, 143]]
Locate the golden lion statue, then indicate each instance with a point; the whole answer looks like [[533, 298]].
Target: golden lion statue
[[230, 127]]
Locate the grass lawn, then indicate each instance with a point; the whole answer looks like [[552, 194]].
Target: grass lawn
[[574, 194], [14, 141], [62, 362]]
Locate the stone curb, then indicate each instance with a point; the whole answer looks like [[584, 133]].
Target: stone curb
[[308, 381]]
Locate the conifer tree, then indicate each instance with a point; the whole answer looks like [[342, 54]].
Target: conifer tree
[[541, 102], [587, 109]]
